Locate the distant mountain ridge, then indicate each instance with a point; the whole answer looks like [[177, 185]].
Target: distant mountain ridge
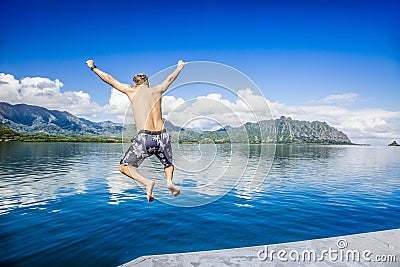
[[28, 119], [283, 130]]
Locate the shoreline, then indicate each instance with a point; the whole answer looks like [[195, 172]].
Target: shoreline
[[85, 139]]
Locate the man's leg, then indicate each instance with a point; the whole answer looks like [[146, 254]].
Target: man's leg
[[169, 172], [134, 174]]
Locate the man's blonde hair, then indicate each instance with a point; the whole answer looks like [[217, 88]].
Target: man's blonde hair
[[140, 78]]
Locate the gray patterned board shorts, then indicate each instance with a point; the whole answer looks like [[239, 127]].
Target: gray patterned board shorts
[[147, 143]]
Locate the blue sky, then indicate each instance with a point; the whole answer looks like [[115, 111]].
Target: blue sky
[[297, 52]]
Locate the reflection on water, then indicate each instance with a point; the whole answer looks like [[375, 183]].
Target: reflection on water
[[40, 172], [34, 173], [31, 174], [207, 172], [119, 188], [65, 202]]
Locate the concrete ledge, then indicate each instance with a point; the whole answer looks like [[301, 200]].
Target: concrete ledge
[[374, 249]]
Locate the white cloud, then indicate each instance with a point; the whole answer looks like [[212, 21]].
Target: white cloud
[[212, 111], [368, 125], [9, 87], [170, 103], [46, 93], [117, 106], [341, 99]]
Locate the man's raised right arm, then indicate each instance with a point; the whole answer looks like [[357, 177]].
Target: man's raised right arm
[[107, 78]]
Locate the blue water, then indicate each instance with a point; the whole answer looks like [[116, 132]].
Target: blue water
[[64, 204]]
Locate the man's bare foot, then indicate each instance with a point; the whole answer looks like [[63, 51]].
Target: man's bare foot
[[174, 190], [149, 191]]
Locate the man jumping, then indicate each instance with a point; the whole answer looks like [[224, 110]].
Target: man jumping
[[152, 138]]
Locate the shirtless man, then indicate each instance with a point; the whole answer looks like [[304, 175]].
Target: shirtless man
[[152, 139]]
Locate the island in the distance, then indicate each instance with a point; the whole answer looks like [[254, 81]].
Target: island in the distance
[[22, 122], [394, 143]]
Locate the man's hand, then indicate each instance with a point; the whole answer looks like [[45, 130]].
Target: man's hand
[[181, 64], [90, 63]]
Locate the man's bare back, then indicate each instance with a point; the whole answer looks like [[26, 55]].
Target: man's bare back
[[146, 107]]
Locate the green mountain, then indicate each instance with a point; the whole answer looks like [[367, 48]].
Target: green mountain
[[283, 130], [294, 131], [29, 119], [6, 134], [21, 120]]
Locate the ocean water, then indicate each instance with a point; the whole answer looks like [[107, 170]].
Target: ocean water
[[66, 204]]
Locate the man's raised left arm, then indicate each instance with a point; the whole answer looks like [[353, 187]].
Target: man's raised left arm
[[171, 78]]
